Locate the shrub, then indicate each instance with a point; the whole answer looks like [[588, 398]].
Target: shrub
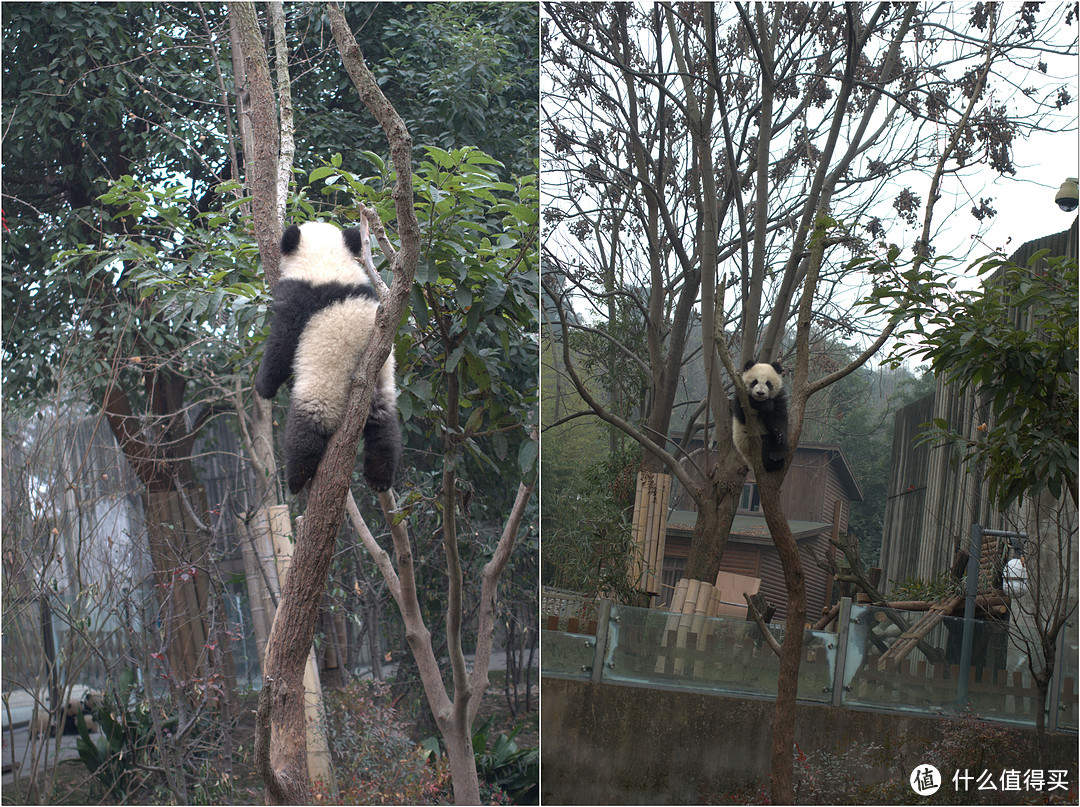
[[375, 761]]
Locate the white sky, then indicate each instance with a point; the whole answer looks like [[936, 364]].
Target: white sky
[[1024, 202]]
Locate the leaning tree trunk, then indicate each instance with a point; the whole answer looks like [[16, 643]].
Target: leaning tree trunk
[[280, 732], [781, 785]]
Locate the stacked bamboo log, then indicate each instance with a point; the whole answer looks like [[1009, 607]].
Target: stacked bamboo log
[[649, 530], [694, 602]]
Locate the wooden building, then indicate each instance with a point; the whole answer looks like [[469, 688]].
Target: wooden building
[[816, 496], [933, 497]]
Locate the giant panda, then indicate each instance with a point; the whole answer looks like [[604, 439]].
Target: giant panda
[[765, 389], [323, 317], [70, 717], [41, 723]]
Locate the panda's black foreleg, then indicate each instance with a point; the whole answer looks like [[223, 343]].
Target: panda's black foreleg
[[305, 444], [774, 443], [294, 304], [382, 442]]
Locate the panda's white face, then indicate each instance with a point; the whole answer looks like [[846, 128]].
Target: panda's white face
[[762, 381]]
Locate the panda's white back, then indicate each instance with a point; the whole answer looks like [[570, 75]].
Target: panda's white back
[[327, 355]]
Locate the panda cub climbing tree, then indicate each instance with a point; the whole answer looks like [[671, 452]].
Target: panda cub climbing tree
[[323, 318], [765, 389]]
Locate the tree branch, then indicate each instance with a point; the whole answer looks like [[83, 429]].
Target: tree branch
[[488, 592]]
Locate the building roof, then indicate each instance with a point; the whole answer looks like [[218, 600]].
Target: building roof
[[750, 529], [839, 465]]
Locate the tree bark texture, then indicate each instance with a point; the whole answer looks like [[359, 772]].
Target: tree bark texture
[[716, 508], [259, 105]]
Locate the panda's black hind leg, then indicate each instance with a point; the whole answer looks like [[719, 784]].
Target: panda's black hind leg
[[305, 444], [382, 443]]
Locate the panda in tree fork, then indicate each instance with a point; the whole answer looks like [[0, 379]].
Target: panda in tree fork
[[323, 320]]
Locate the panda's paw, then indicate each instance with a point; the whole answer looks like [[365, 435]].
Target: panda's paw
[[264, 380], [263, 388], [382, 447], [378, 471], [296, 480]]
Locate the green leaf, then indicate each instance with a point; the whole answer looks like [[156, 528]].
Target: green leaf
[[405, 407], [321, 172], [464, 297], [374, 158], [527, 454], [441, 157], [455, 357]]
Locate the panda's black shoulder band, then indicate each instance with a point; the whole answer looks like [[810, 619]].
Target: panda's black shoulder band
[[304, 299]]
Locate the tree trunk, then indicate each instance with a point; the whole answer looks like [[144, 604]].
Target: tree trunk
[[781, 786], [716, 510], [457, 735], [280, 720]]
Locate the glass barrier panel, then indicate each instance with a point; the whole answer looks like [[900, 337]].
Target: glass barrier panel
[[817, 665], [569, 655], [1067, 695], [721, 654], [910, 661]]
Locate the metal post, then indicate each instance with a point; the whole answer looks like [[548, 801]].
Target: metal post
[[1054, 694], [602, 620], [974, 553], [843, 624], [974, 556]]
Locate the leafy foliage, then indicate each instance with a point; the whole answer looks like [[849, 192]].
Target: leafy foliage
[[188, 294], [95, 92], [587, 544], [98, 92], [936, 590], [473, 310], [473, 76], [499, 762], [1016, 340], [127, 741], [460, 74]]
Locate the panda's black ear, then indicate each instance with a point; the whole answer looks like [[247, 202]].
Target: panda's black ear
[[749, 363], [290, 240], [778, 367], [353, 240]]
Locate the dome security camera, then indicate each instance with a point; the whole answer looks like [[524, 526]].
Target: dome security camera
[[1068, 195]]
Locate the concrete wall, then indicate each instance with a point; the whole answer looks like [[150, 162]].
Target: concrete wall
[[610, 744]]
